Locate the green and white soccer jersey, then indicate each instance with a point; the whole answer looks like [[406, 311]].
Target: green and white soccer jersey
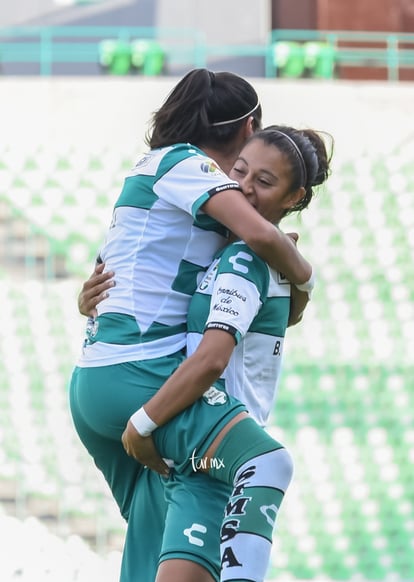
[[159, 245], [243, 296]]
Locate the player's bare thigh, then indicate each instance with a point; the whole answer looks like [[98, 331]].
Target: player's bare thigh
[[182, 571], [209, 455]]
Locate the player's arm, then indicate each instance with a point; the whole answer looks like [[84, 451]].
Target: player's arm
[[95, 290], [193, 377], [199, 371], [222, 330], [231, 208], [298, 302], [188, 383]]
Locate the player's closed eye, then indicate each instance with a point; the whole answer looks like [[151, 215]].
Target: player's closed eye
[[265, 182], [238, 171]]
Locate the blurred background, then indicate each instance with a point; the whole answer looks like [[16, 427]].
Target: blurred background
[[79, 80]]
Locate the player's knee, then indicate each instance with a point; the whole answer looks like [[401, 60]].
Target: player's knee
[[281, 466]]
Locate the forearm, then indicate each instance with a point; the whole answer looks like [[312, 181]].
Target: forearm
[[195, 375], [185, 386], [179, 392], [298, 303], [281, 254], [272, 245]]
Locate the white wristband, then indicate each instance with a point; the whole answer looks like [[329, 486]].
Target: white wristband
[[143, 423], [308, 286]]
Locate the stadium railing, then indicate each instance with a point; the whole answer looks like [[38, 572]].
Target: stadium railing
[[315, 53], [389, 50], [49, 46]]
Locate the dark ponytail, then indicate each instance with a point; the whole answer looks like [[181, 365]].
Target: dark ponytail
[[204, 109]]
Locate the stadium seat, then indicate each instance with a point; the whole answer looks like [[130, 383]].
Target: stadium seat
[[319, 59], [115, 56], [49, 556], [345, 402], [289, 59], [148, 57]]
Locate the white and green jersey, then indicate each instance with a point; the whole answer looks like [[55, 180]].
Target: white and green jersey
[[159, 245], [241, 295]]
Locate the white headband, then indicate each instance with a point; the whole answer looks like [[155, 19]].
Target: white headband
[[237, 118], [299, 153]]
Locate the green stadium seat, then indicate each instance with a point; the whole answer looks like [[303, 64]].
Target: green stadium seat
[[319, 59], [115, 56], [345, 403], [147, 57], [289, 59]]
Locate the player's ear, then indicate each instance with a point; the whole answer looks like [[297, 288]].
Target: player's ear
[[295, 197], [250, 127]]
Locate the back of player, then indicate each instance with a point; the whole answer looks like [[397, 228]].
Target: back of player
[[158, 244]]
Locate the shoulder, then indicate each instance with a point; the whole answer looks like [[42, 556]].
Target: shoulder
[[241, 260], [240, 257]]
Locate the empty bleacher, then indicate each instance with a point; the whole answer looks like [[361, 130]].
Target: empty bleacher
[[345, 406], [49, 557]]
